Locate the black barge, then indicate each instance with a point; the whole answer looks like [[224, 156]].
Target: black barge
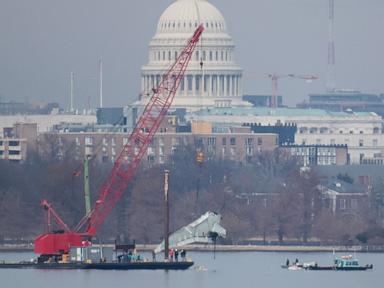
[[144, 265]]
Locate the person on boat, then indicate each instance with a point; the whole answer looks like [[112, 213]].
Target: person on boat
[[287, 263], [170, 254], [182, 254], [176, 255]]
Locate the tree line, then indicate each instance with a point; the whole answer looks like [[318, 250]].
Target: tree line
[[269, 199]]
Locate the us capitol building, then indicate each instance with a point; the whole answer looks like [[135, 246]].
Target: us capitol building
[[213, 92], [215, 83]]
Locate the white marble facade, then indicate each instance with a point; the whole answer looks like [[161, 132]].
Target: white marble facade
[[218, 82]]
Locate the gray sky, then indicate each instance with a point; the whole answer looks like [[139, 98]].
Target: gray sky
[[42, 41]]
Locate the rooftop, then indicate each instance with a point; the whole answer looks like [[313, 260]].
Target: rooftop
[[289, 112], [341, 186]]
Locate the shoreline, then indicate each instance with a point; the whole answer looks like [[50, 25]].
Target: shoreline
[[235, 248]]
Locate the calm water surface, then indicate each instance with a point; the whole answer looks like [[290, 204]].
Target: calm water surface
[[228, 270]]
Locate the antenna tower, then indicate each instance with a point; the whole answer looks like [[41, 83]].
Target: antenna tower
[[101, 81], [72, 94], [331, 48]]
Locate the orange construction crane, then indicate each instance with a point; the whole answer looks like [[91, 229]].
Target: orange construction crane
[[275, 77]]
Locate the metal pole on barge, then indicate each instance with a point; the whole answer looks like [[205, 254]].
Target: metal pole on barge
[[166, 218]]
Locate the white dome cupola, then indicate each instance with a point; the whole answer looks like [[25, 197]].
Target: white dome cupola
[[219, 81], [183, 16]]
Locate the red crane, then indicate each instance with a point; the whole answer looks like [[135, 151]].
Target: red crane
[[56, 243], [276, 77]]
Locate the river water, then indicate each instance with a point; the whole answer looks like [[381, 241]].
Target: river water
[[228, 270]]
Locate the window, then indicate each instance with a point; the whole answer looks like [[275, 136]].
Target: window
[[151, 158], [259, 141], [224, 141], [199, 142], [197, 86], [361, 143], [375, 143], [190, 82], [210, 55], [211, 141], [88, 140], [104, 158], [13, 143], [376, 130], [88, 150], [182, 84], [343, 204], [233, 141], [248, 142], [303, 130]]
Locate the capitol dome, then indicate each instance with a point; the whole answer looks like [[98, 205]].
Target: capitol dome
[[218, 82], [183, 16]]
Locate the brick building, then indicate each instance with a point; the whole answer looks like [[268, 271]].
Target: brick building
[[219, 142]]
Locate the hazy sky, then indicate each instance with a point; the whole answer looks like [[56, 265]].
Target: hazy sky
[[42, 41]]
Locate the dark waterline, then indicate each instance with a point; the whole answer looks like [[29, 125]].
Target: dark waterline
[[228, 270]]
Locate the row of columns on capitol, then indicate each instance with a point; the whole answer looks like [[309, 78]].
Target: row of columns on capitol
[[214, 85], [213, 55]]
